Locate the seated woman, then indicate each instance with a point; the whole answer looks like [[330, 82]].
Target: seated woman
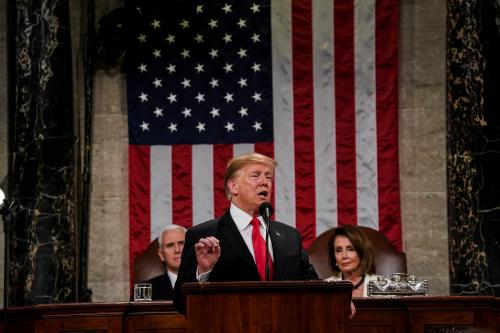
[[351, 256]]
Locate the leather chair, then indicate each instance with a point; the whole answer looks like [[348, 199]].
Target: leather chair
[[387, 259], [148, 265]]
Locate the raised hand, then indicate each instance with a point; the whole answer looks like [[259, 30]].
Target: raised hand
[[207, 253]]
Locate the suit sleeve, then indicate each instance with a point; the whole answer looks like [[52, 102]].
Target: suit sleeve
[[187, 269], [307, 270]]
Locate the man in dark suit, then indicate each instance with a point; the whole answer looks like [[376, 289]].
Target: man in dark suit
[[223, 249], [170, 245]]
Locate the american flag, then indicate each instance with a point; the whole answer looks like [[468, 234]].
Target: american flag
[[311, 83]]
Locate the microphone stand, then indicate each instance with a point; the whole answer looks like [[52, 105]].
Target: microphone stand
[[266, 221]]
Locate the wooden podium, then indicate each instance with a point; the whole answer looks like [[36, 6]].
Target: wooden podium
[[276, 306]]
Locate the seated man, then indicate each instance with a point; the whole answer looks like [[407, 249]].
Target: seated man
[[170, 245]]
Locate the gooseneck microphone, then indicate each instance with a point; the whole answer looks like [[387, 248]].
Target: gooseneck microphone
[[266, 210]]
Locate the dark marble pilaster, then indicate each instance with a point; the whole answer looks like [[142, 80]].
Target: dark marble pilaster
[[473, 160], [42, 145]]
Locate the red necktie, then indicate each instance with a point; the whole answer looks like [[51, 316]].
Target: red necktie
[[259, 249]]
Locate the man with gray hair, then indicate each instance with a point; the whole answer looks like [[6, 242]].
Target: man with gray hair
[[170, 245]]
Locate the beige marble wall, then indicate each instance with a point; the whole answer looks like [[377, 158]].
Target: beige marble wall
[[108, 274], [423, 140], [108, 245], [422, 154]]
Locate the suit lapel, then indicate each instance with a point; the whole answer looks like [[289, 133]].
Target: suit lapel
[[232, 237], [168, 284], [278, 242]]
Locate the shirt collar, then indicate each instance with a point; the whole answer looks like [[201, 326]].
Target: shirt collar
[[172, 276], [240, 217]]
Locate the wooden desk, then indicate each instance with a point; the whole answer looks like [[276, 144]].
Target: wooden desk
[[96, 317], [154, 317], [77, 317], [268, 307], [443, 314], [388, 315]]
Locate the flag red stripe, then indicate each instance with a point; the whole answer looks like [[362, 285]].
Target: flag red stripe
[[344, 111], [387, 119], [222, 154], [265, 149], [182, 185], [139, 201], [303, 103]]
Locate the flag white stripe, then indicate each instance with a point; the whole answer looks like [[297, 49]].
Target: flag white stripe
[[365, 105], [324, 120], [243, 148], [203, 183], [281, 19], [161, 188]]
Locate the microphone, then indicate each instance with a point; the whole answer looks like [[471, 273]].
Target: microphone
[[266, 210]]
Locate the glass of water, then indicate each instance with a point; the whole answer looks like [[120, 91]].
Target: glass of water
[[142, 292]]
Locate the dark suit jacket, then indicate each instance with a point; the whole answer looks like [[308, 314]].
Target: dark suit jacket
[[162, 287], [236, 262]]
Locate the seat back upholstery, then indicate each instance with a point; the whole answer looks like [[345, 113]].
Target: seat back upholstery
[[148, 265], [387, 259]]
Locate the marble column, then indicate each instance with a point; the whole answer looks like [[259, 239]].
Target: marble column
[[43, 149], [473, 60]]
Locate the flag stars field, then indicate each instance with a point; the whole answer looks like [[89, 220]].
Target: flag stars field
[[186, 94]]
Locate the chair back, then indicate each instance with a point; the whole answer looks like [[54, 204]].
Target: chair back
[[148, 265], [387, 259]]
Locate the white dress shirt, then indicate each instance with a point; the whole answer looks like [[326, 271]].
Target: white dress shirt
[[242, 221], [173, 277]]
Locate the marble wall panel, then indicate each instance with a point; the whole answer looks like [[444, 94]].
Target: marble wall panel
[[43, 248], [426, 236], [419, 13], [473, 146], [108, 250], [109, 203], [3, 121], [422, 121], [422, 147]]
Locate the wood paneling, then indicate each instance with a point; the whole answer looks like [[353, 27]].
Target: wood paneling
[[381, 315], [272, 307]]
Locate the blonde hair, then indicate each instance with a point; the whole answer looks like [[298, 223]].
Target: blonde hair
[[238, 162]]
